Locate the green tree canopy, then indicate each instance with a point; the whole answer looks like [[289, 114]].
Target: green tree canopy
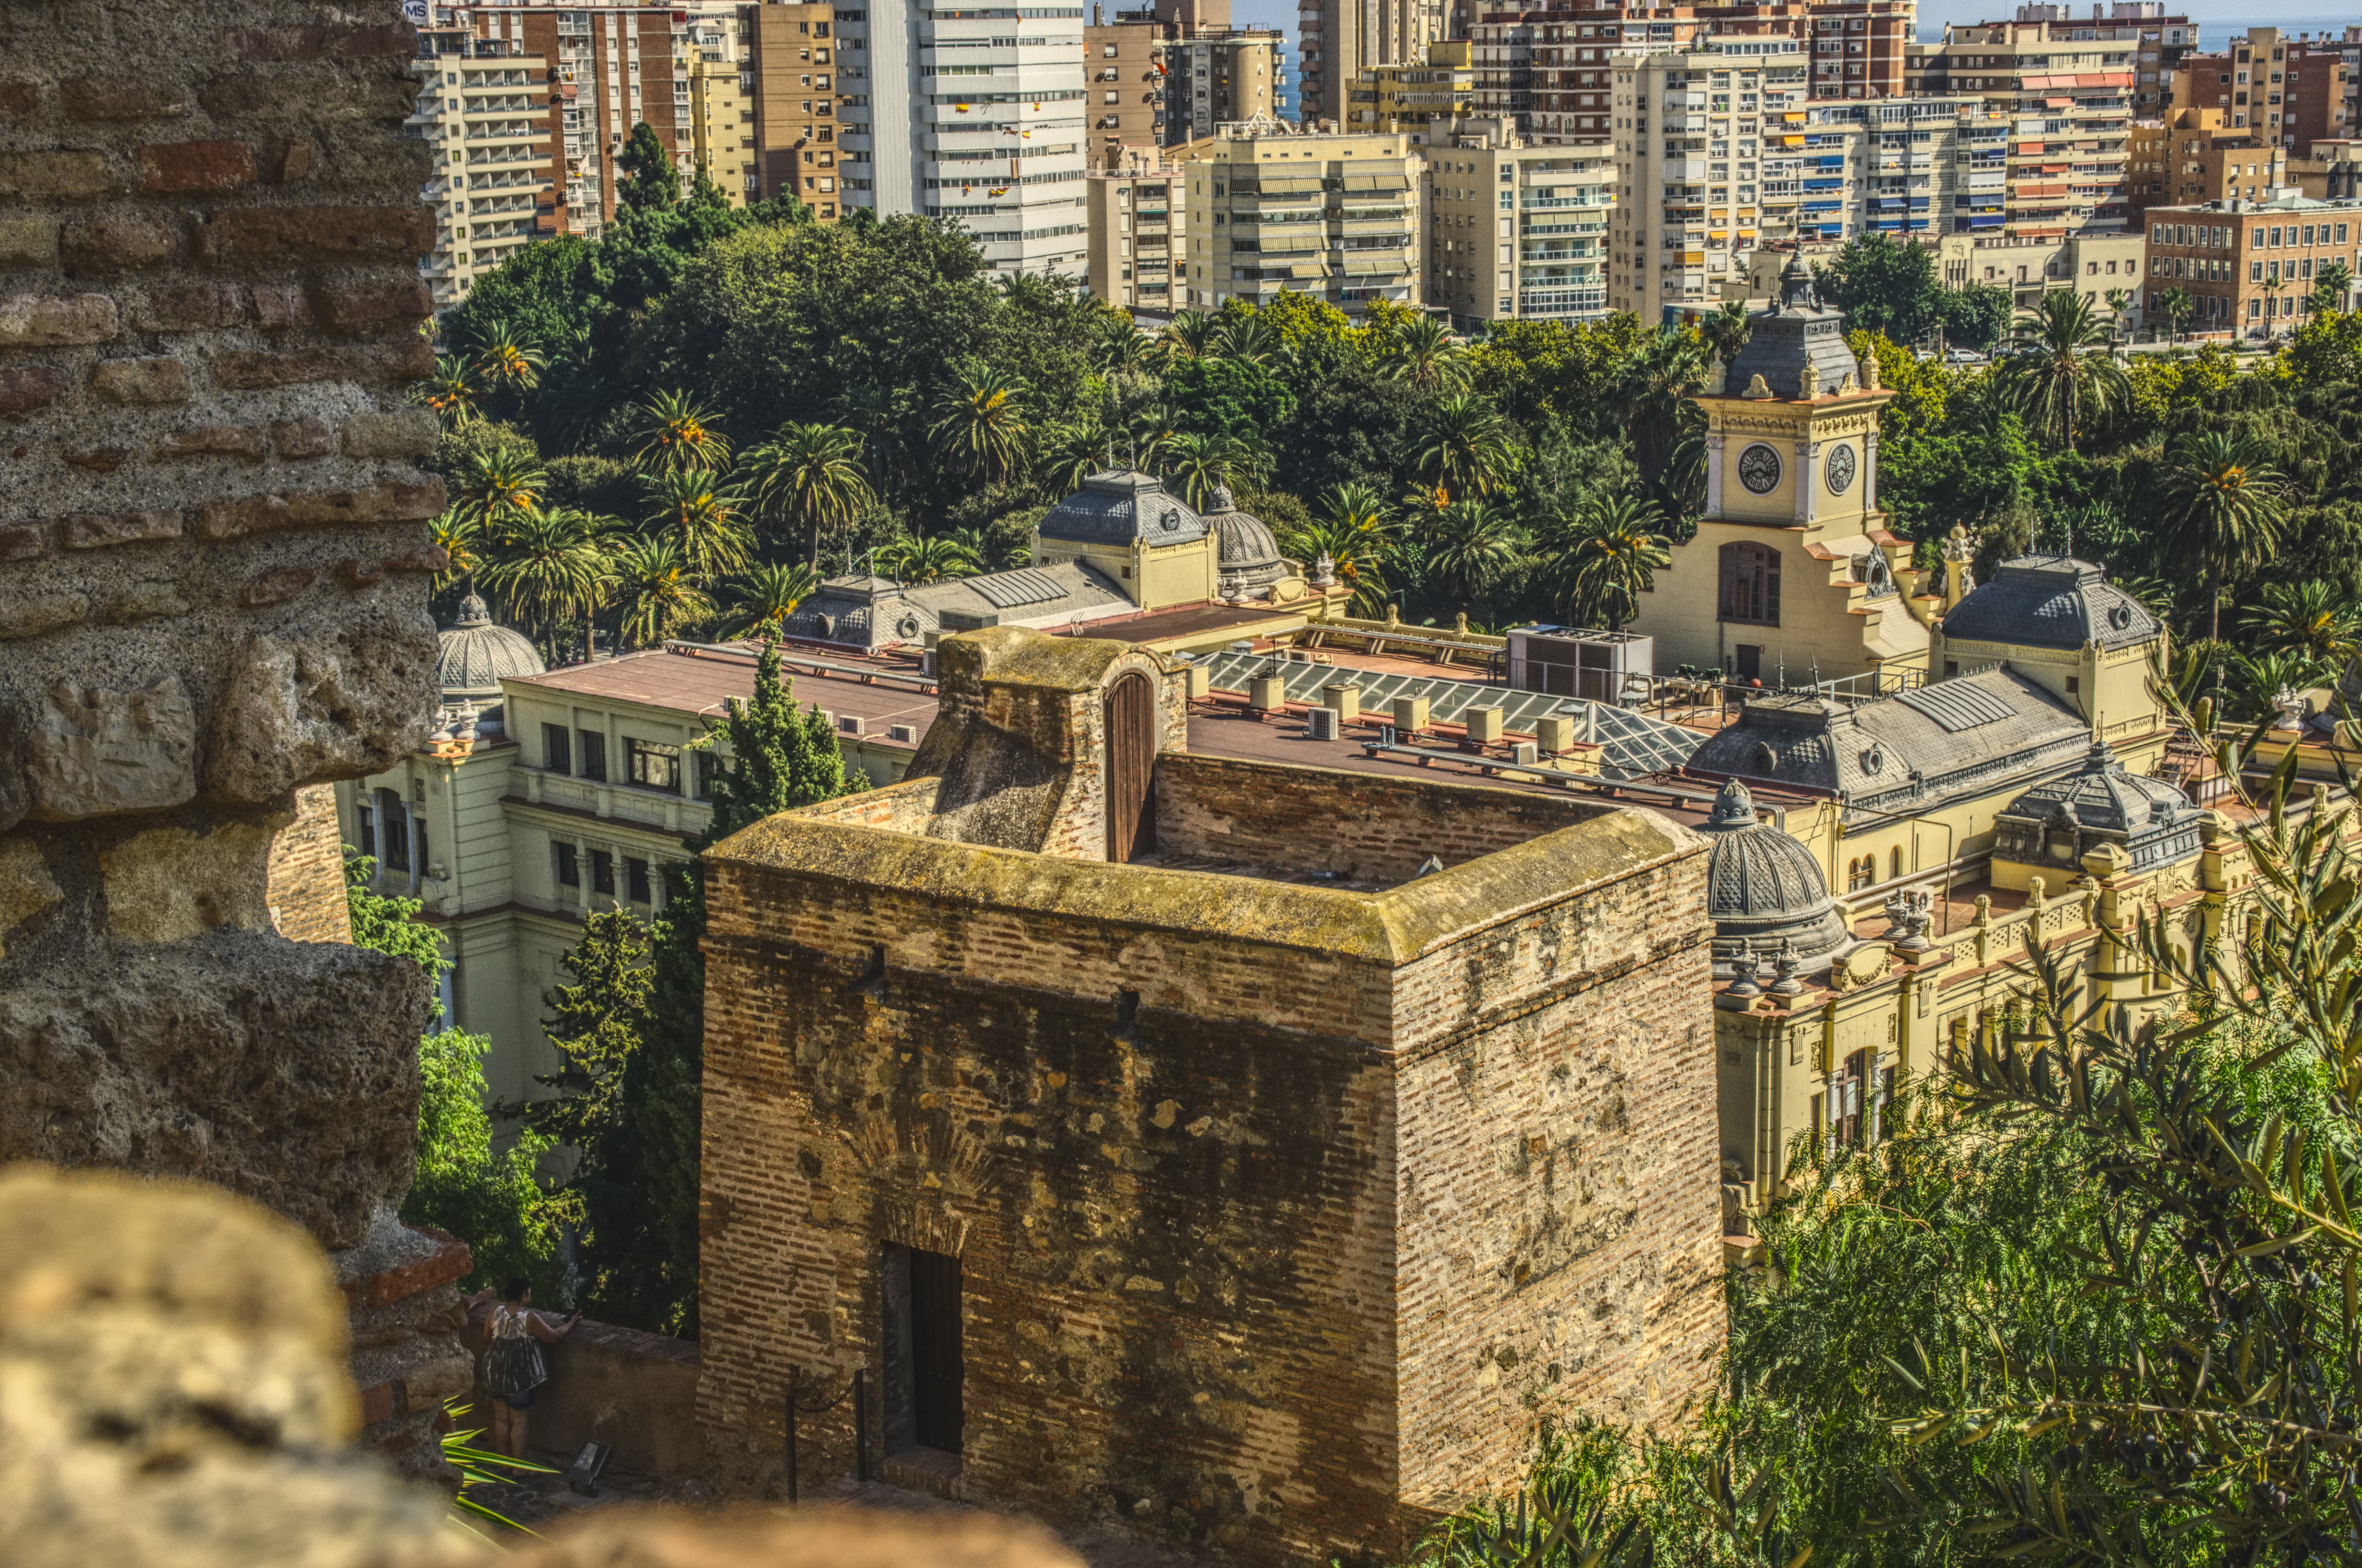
[[650, 182]]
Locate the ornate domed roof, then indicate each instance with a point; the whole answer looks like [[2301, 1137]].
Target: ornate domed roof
[[475, 653], [1120, 506], [1246, 551], [2062, 820], [1797, 345], [1763, 887], [2049, 602]]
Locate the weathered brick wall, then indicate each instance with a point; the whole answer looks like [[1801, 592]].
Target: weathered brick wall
[[1260, 1248], [897, 808], [213, 580], [306, 887], [1559, 1199], [1264, 814]]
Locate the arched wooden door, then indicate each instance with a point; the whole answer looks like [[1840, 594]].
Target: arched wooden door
[[1130, 768]]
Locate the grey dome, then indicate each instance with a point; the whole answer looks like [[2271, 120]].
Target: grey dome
[[1762, 887], [1117, 507], [1244, 550], [2049, 602], [2062, 820], [475, 653], [1796, 335]]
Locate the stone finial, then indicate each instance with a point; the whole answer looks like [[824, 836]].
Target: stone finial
[[1742, 976], [1848, 386], [2288, 710], [1808, 384], [1324, 571], [1908, 915], [1756, 389], [1785, 966], [1868, 363], [1984, 910]]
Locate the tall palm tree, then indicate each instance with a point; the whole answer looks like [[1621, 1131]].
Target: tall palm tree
[[497, 485], [2227, 507], [2273, 288], [809, 473], [1657, 383], [1190, 332], [1144, 434], [675, 433], [1070, 454], [762, 600], [1424, 354], [1468, 447], [2065, 372], [2332, 286], [1604, 555], [452, 392], [460, 538], [936, 558], [656, 593], [2177, 304], [2311, 618], [1242, 338], [1727, 330], [1194, 465], [548, 566], [507, 357], [1122, 346], [2119, 301], [1472, 547], [1358, 534], [981, 426], [705, 513]]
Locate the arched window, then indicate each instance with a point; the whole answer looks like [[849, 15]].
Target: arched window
[[1894, 862], [1750, 584]]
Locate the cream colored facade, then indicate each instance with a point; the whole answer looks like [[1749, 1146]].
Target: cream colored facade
[[1337, 216], [1515, 231], [1701, 135], [1139, 235], [2091, 264], [1423, 97], [722, 102], [483, 832], [487, 125], [1341, 39]]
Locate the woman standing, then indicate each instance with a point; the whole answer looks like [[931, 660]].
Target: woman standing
[[514, 1364]]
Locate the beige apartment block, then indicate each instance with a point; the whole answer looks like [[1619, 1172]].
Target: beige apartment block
[[2068, 84], [796, 103], [1137, 229], [1331, 215], [1516, 231], [1701, 135], [1436, 91], [1909, 168], [2196, 156], [491, 129], [1341, 39], [722, 98], [2333, 173], [2289, 92], [2093, 264]]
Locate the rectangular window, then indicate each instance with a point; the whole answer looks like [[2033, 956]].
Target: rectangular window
[[570, 870], [635, 879], [708, 765], [603, 872], [557, 748], [397, 831], [366, 826], [1750, 584], [594, 754], [653, 767]]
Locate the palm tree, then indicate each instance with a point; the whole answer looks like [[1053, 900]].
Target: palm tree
[[1604, 556], [1424, 354], [1469, 448], [452, 392], [1194, 465], [460, 539], [1146, 433], [655, 589], [935, 558], [703, 512], [763, 599], [1242, 338], [1122, 346], [2311, 618], [498, 485], [1071, 453], [2273, 288], [675, 433], [1727, 331], [2119, 301], [981, 426], [2177, 305], [810, 474], [1190, 332], [2263, 677], [548, 566], [508, 357], [1472, 546], [1357, 533], [1657, 383], [2226, 509], [2064, 371], [2331, 286]]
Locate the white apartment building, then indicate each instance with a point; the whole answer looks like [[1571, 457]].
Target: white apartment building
[[485, 116], [1911, 168], [1513, 230], [976, 114], [1702, 135]]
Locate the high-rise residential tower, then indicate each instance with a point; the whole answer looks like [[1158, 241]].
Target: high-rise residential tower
[[1340, 39]]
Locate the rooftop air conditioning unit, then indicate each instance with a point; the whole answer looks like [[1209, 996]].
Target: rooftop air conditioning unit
[[1321, 722], [846, 724]]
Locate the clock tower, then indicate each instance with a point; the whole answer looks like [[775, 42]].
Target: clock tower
[[1793, 578]]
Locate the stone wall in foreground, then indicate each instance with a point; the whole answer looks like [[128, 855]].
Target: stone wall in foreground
[[212, 582]]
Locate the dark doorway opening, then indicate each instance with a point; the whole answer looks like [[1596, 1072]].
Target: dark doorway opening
[[1130, 768], [1750, 661], [924, 1366]]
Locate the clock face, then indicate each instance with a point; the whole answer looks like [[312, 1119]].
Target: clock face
[[1758, 468], [1840, 469]]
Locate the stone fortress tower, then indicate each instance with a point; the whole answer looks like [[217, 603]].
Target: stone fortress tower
[[1239, 1150]]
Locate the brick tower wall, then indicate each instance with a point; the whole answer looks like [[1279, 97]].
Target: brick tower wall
[[307, 872]]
